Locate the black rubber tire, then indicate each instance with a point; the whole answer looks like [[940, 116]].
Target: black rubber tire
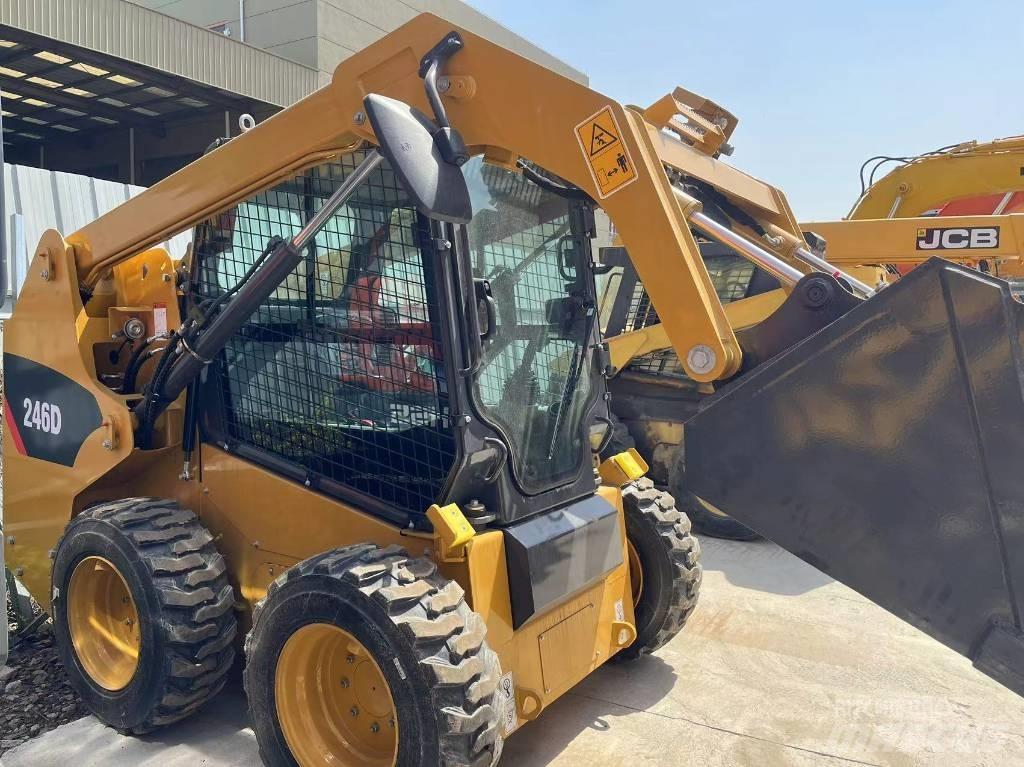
[[185, 605], [427, 642], [620, 441], [670, 557]]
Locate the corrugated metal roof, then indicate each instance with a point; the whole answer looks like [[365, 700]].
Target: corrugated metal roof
[[129, 31]]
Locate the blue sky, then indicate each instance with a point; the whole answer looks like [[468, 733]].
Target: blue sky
[[818, 87]]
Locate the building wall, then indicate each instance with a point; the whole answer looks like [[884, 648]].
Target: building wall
[[38, 200], [322, 33]]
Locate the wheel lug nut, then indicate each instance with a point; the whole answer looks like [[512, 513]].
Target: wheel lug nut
[[354, 710], [344, 682], [374, 727], [351, 659]]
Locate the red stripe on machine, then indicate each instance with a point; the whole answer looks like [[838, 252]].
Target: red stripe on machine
[[12, 427]]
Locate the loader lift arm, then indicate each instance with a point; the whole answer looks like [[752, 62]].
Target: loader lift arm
[[997, 241]]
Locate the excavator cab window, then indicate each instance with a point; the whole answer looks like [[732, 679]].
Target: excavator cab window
[[341, 373]]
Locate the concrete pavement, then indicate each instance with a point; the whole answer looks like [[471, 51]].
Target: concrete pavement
[[779, 666]]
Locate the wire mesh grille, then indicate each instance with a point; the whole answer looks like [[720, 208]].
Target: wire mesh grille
[[730, 275], [641, 312], [341, 370]]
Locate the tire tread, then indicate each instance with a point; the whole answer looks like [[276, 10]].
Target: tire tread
[[658, 509], [196, 599], [432, 614]]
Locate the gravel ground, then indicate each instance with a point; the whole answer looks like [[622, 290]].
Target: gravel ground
[[34, 694]]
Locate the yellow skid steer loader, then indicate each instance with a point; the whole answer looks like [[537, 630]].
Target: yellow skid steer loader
[[359, 427]]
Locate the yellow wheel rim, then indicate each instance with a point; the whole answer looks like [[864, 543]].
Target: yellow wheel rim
[[333, 703], [104, 623], [636, 572]]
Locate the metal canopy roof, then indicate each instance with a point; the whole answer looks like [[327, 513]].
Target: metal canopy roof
[[134, 33], [53, 91]]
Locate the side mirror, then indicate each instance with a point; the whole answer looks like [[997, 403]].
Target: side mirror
[[437, 188]]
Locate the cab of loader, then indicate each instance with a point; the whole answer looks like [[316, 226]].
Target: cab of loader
[[405, 361]]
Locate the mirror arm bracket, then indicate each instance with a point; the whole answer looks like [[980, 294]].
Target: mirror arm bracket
[[449, 142]]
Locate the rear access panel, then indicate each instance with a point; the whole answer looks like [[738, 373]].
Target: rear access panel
[[561, 668], [887, 450]]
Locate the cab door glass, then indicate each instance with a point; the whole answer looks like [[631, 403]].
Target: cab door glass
[[534, 384]]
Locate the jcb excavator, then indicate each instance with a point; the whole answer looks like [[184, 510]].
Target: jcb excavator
[[975, 189], [359, 428]]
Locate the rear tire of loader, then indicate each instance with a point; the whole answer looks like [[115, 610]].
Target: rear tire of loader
[[348, 640], [664, 559], [142, 612]]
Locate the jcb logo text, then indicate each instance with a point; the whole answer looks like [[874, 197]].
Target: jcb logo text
[[958, 238]]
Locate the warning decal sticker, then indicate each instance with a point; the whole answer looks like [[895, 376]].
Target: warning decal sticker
[[509, 718], [606, 154]]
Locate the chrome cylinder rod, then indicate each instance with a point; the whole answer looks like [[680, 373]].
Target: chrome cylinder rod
[[785, 273], [336, 200]]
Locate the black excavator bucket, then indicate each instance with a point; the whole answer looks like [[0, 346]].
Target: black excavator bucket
[[887, 450]]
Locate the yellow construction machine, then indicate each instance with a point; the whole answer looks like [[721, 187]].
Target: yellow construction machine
[[359, 425], [975, 190]]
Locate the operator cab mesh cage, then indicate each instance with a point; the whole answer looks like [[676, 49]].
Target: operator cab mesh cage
[[341, 372], [731, 276]]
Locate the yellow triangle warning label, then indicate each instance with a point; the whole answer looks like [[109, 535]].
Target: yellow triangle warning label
[[607, 156], [601, 138]]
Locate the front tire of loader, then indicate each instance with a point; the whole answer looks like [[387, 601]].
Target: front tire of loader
[[664, 566], [363, 656], [142, 612]]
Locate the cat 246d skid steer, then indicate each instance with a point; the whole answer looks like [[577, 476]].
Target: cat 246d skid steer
[[360, 424]]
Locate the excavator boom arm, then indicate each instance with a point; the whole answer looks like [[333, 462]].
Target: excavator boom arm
[[965, 239]]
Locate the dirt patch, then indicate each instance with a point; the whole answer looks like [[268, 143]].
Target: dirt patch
[[34, 694]]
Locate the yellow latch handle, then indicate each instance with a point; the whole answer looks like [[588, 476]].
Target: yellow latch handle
[[450, 525], [623, 468]]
